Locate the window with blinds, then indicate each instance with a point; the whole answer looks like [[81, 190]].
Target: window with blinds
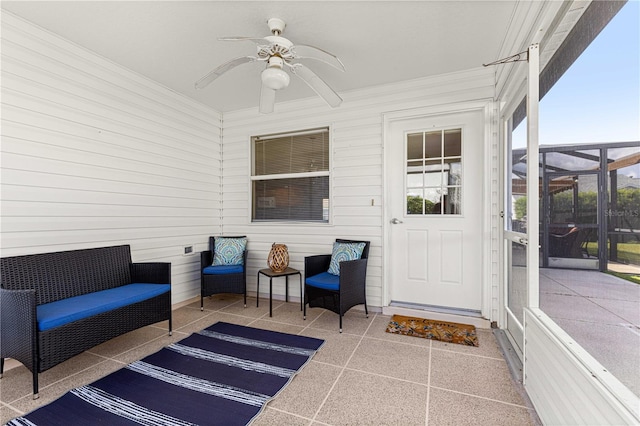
[[290, 177]]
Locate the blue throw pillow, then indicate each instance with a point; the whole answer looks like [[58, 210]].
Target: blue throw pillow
[[229, 251], [343, 252]]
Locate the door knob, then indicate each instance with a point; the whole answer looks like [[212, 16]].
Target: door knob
[[396, 221]]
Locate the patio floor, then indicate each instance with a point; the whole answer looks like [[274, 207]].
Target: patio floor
[[363, 376], [602, 313]]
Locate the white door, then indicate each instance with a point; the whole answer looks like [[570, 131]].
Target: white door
[[435, 185]]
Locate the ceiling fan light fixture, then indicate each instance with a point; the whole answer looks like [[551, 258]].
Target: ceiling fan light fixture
[[274, 77]]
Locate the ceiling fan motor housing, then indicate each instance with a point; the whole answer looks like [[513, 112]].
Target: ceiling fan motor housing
[[276, 26], [278, 46]]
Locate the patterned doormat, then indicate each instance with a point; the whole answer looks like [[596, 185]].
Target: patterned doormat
[[451, 332]]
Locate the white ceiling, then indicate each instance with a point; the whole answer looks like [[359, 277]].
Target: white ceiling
[[175, 42]]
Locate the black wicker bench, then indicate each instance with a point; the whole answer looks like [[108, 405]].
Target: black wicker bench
[[50, 308]]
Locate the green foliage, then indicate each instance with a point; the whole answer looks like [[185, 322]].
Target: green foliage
[[428, 206], [627, 252], [521, 207], [625, 215], [629, 277], [414, 205], [563, 207], [629, 198]]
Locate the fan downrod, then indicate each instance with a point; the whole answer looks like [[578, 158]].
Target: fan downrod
[[276, 26]]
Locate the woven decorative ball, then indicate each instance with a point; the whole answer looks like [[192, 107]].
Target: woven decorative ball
[[278, 259]]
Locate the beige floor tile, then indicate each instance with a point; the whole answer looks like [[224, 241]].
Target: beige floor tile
[[186, 315], [18, 383], [366, 399], [271, 417], [149, 348], [337, 348], [352, 380], [263, 302], [450, 408], [267, 324], [57, 389], [475, 375], [218, 301], [210, 318], [7, 414], [128, 341], [291, 313], [304, 395], [406, 362], [353, 322], [251, 310]]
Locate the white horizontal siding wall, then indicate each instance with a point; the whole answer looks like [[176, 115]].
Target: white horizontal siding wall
[[357, 168], [96, 155], [567, 386]]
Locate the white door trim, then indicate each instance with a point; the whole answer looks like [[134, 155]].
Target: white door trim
[[392, 116]]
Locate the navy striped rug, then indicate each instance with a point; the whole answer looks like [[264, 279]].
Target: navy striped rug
[[222, 375]]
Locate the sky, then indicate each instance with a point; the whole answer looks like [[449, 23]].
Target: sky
[[598, 99]]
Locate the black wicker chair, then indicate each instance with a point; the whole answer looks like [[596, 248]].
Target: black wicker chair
[[351, 288], [19, 340], [217, 283]]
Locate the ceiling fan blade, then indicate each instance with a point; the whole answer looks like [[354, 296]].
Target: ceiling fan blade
[[207, 79], [267, 99], [256, 40], [304, 51], [317, 84]]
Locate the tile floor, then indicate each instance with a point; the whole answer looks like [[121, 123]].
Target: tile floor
[[363, 376], [600, 312]]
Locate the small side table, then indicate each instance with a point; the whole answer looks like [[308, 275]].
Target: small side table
[[269, 273]]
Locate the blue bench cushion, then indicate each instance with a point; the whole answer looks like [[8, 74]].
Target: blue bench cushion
[[223, 269], [324, 280], [65, 311]]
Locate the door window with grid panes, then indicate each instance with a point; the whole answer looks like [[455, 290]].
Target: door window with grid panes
[[434, 172]]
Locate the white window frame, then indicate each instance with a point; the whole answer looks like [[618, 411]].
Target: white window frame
[[326, 216]]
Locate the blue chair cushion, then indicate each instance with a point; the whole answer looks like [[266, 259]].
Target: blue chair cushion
[[223, 270], [344, 252], [229, 251], [65, 311], [324, 280]]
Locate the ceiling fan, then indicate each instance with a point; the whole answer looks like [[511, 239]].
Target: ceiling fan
[[278, 52]]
